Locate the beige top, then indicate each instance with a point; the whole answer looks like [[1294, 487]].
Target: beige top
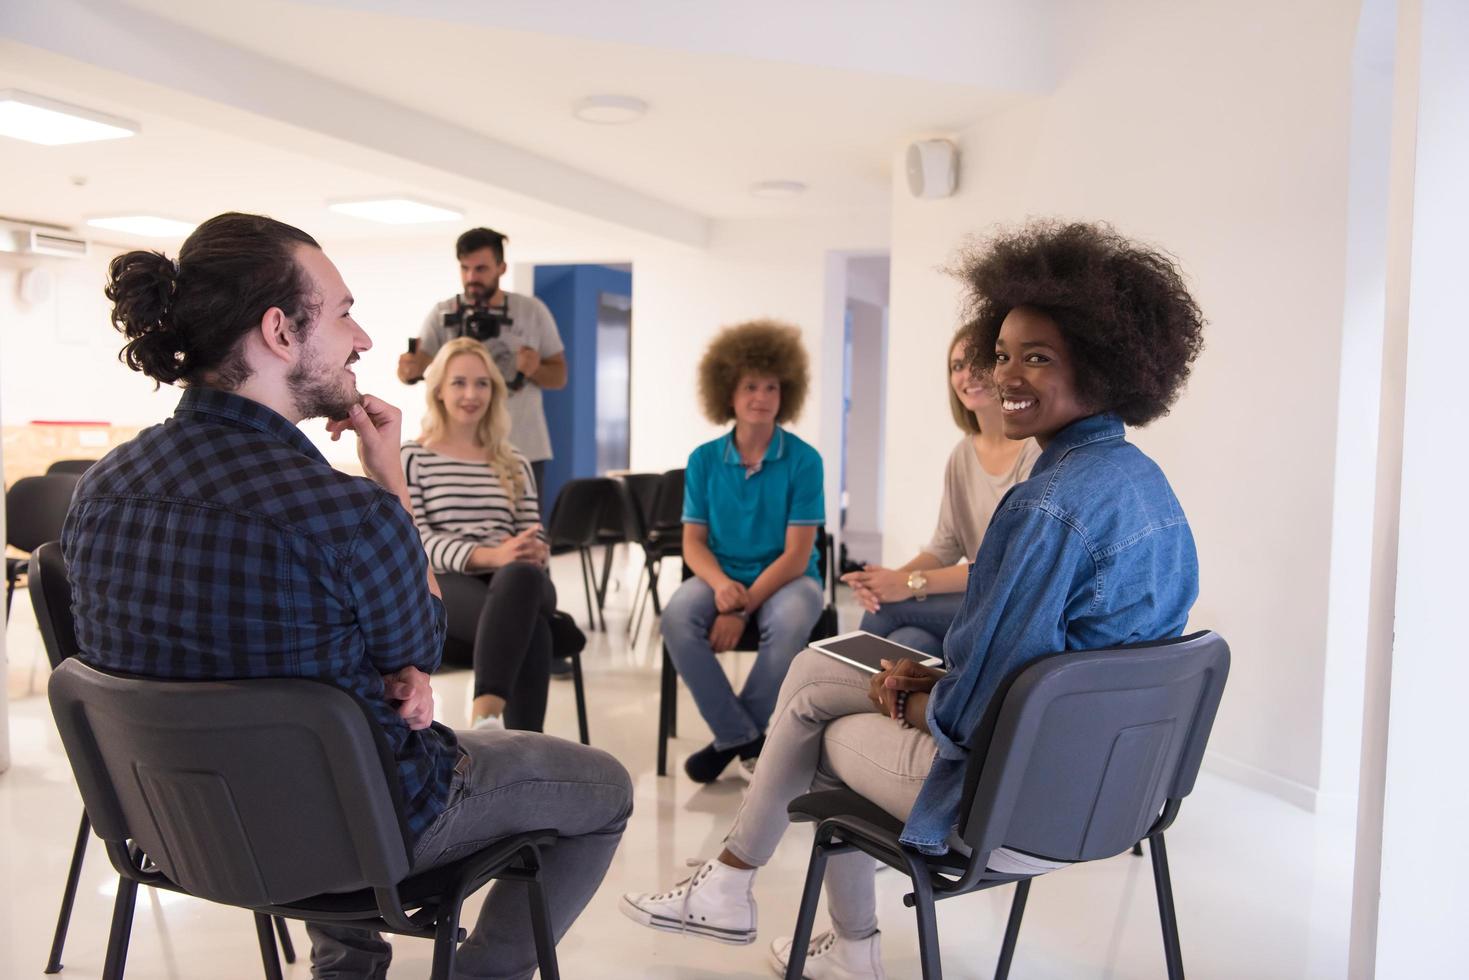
[[970, 497]]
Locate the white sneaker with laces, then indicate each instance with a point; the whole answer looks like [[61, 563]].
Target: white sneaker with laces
[[489, 723], [717, 903], [830, 957]]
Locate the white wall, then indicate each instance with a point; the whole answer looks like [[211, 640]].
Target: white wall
[[1219, 131]]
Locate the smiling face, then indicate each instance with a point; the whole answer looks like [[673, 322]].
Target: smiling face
[[322, 382], [974, 390], [1035, 376], [756, 399], [466, 391]]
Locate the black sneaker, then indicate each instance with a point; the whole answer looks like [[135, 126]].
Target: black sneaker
[[561, 669], [705, 765]]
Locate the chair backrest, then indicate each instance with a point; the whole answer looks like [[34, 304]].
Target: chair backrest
[[35, 509], [252, 793], [76, 466], [1087, 747], [667, 517], [51, 599], [579, 511], [642, 495]]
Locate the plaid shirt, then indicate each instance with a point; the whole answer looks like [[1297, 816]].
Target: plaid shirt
[[221, 544]]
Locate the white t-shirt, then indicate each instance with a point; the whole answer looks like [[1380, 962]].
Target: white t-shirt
[[531, 326]]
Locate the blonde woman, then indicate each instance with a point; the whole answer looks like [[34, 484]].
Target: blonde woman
[[914, 603], [474, 501]]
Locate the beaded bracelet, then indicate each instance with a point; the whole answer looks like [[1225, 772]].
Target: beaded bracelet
[[900, 702]]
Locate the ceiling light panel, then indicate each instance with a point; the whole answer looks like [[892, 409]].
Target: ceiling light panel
[[396, 211], [36, 119], [147, 225], [610, 110]]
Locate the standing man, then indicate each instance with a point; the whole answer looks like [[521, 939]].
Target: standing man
[[518, 331], [222, 545]]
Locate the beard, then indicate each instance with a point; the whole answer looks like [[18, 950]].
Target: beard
[[317, 392]]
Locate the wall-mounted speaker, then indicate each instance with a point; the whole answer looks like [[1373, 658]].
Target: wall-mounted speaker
[[933, 168]]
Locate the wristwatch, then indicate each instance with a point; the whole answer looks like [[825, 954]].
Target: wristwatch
[[918, 585]]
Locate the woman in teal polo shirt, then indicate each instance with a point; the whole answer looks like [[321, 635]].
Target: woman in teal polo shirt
[[753, 499]]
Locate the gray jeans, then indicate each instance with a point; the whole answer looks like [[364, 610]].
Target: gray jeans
[[513, 782]]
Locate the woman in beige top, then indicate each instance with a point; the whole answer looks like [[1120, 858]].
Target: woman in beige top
[[914, 603]]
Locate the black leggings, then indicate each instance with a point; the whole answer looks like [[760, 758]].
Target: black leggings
[[498, 623]]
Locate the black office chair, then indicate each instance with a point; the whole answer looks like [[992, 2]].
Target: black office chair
[[51, 600], [826, 626], [1082, 756], [302, 819], [584, 509], [35, 509], [73, 466], [660, 500]]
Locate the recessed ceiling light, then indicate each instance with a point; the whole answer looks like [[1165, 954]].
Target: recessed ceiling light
[[778, 190], [610, 110], [147, 225], [40, 120], [396, 211]]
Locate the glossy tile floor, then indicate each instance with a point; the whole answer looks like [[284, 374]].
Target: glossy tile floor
[[1258, 883]]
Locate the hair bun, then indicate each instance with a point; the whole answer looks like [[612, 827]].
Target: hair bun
[[142, 286]]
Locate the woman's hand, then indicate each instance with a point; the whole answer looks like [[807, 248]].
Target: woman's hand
[[525, 546], [726, 632], [875, 585]]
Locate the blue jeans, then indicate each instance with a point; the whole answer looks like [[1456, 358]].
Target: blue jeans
[[785, 621], [920, 625]]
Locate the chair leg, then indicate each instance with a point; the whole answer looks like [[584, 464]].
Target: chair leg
[[9, 591], [1137, 849], [667, 710], [540, 918], [122, 929], [810, 896], [1166, 915], [1012, 929], [581, 699], [635, 614], [266, 937], [606, 579], [446, 938], [68, 896], [928, 927], [288, 948], [586, 584]]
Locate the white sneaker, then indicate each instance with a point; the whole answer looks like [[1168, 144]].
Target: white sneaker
[[717, 903], [489, 723], [829, 957], [745, 768]]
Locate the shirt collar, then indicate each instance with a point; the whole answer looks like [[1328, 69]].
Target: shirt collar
[[245, 413], [776, 449], [1083, 432]]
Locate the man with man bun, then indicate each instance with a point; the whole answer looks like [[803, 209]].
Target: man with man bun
[[221, 544]]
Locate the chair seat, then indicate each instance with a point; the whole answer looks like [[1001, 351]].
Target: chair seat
[[872, 823]]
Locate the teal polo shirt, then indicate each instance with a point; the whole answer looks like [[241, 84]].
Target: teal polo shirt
[[747, 514]]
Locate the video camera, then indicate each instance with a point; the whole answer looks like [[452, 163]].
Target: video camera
[[480, 323]]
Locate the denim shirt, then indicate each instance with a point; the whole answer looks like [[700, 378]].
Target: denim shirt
[[1092, 551]]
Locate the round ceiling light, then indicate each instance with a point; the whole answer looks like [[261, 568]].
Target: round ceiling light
[[778, 190], [610, 110]]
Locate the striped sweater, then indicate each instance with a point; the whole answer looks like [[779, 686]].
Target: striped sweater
[[459, 505]]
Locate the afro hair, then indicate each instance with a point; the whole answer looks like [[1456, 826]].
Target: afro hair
[[762, 347]]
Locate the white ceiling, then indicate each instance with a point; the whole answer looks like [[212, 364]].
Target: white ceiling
[[277, 105]]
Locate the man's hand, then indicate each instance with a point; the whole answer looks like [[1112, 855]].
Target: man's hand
[[527, 361], [414, 696], [726, 632], [411, 367], [731, 596], [379, 428]]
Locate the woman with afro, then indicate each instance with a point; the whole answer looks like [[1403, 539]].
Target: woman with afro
[[753, 499], [1085, 333]]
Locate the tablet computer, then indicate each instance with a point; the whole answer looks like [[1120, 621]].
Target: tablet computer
[[866, 651]]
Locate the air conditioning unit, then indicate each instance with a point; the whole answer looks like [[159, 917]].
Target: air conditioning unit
[[23, 239]]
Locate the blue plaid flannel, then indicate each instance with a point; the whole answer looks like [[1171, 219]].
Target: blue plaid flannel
[[221, 544]]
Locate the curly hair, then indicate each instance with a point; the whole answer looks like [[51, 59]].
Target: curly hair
[[762, 347], [1128, 319]]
